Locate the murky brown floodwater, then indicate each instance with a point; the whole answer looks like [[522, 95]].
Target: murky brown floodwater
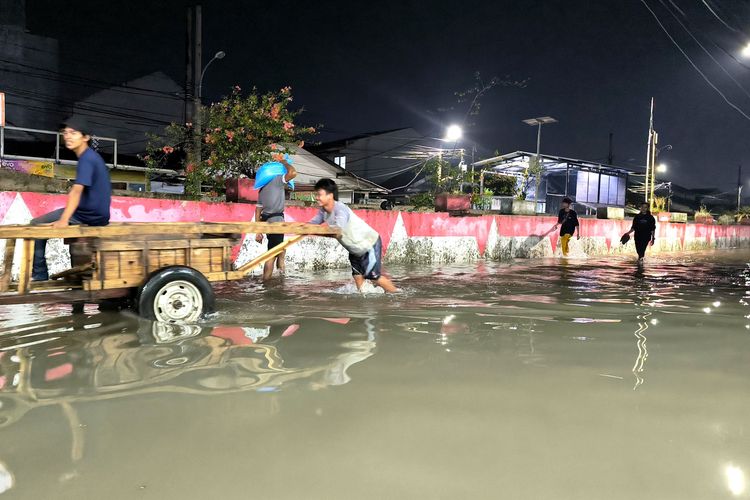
[[582, 380]]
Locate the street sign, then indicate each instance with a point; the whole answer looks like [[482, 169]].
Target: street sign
[[2, 109]]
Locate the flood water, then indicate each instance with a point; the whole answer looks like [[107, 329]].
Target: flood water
[[529, 380]]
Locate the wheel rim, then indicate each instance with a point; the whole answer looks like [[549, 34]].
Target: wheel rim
[[178, 302]]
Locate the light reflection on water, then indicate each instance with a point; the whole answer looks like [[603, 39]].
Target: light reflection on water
[[536, 379]]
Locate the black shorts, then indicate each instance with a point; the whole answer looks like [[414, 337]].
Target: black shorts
[[273, 239], [368, 265]]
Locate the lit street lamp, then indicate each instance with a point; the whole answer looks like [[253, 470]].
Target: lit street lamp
[[661, 168], [453, 133], [746, 50]]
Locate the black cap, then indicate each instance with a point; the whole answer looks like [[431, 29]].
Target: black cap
[[77, 122]]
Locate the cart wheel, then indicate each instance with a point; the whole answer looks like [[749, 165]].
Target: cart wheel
[[176, 294]]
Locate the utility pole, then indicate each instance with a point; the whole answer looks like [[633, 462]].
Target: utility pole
[[197, 65], [189, 66], [739, 187], [651, 160]]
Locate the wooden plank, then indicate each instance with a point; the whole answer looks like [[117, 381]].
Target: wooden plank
[[132, 229], [83, 268], [269, 254], [27, 262], [118, 244], [64, 297], [10, 248], [110, 284]]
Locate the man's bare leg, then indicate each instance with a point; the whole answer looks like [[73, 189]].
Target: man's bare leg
[[386, 285], [280, 263], [268, 270], [359, 280]]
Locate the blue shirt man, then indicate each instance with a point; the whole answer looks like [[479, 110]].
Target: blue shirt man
[[88, 200]]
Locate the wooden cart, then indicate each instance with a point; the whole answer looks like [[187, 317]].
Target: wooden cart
[[166, 269]]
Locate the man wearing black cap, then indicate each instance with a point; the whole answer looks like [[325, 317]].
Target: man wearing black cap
[[88, 199]]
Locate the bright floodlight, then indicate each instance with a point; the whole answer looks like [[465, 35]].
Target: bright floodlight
[[220, 54], [453, 133], [661, 168], [746, 50]]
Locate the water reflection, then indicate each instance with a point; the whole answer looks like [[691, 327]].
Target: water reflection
[[77, 358]]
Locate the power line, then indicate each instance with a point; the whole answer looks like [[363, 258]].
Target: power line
[[708, 81], [82, 81], [717, 16], [739, 85]]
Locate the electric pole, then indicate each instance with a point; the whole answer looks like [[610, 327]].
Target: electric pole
[[739, 187]]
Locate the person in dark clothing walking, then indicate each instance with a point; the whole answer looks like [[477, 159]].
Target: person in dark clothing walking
[[567, 220], [644, 227]]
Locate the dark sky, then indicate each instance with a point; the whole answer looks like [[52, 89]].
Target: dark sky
[[358, 67]]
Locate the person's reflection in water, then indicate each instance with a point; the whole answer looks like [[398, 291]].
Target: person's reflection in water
[[641, 301]]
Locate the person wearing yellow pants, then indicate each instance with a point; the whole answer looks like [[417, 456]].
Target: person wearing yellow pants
[[567, 220]]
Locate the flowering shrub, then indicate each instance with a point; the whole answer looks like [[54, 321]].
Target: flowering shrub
[[238, 134]]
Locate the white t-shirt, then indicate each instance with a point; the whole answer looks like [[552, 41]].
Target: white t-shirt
[[356, 235]]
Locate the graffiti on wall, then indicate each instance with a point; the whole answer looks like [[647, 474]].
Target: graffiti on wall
[[31, 167]]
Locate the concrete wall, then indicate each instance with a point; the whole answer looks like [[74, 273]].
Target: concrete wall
[[408, 237]]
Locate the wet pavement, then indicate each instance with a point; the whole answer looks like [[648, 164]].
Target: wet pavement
[[588, 378]]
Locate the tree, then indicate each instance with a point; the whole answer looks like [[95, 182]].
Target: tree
[[240, 133]]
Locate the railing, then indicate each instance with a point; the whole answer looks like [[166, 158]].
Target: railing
[[57, 135]]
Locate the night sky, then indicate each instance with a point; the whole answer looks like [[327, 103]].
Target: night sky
[[359, 67]]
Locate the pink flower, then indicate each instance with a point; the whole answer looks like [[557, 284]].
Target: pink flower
[[288, 126], [275, 111], [237, 88], [189, 168], [209, 162], [167, 149], [274, 147], [230, 135]]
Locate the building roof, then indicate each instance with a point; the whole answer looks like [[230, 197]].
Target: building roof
[[310, 168], [509, 157], [340, 143]]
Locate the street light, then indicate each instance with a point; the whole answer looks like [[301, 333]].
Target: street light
[[219, 55], [453, 133], [538, 122], [197, 102], [746, 50], [661, 168]]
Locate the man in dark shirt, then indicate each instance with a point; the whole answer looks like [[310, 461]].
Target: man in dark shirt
[[567, 219], [270, 208], [89, 198], [644, 227]]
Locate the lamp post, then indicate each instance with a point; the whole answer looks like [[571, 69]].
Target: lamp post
[[197, 128], [538, 122], [452, 134], [219, 55], [661, 168]]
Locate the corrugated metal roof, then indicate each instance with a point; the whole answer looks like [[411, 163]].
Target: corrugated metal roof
[[310, 168]]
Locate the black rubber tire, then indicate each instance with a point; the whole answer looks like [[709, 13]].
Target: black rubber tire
[[158, 280], [386, 205]]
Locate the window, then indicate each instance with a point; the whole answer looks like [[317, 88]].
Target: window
[[340, 161]]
